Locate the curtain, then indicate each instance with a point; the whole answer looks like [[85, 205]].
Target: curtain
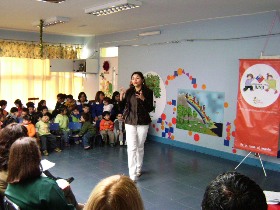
[[23, 78], [33, 50]]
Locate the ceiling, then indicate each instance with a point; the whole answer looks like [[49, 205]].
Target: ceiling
[[20, 14]]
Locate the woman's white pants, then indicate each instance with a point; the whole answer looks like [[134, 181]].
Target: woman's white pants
[[135, 138]]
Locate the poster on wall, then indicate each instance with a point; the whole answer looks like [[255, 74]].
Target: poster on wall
[[258, 116], [200, 111]]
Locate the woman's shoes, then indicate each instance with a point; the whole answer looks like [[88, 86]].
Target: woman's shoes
[[87, 148]]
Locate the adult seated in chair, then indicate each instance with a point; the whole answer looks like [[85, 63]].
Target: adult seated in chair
[[233, 191], [8, 136], [27, 188]]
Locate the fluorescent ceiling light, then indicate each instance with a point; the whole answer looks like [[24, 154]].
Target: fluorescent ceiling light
[[52, 1], [149, 33], [52, 21], [113, 7]]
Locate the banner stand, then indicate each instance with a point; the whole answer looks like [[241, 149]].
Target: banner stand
[[258, 155]]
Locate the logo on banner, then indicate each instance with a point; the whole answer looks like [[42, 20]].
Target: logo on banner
[[259, 85]]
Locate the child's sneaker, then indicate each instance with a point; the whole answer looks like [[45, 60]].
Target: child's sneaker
[[77, 142], [125, 143], [87, 148], [121, 142], [57, 149], [45, 153]]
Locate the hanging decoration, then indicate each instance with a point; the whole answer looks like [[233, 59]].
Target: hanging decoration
[[106, 66], [41, 39]]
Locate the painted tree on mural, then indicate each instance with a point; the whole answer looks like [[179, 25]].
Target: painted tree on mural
[[181, 113], [153, 82]]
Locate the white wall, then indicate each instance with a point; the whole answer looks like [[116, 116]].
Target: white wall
[[212, 62]]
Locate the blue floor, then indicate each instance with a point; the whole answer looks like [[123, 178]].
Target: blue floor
[[172, 179]]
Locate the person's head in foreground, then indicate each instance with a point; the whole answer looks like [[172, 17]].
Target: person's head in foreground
[[24, 160], [233, 191], [8, 136], [116, 192]]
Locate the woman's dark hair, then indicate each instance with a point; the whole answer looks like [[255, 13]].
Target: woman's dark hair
[[24, 160], [8, 136], [18, 101], [140, 74], [114, 96], [97, 96], [80, 95]]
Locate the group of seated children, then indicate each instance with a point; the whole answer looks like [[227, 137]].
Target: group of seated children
[[101, 116]]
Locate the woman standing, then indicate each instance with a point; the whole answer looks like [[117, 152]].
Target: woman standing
[[138, 102]]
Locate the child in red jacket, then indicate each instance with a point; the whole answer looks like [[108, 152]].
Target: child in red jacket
[[106, 128]]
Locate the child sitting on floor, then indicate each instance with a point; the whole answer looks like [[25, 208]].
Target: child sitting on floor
[[119, 128], [87, 130], [106, 129], [43, 129]]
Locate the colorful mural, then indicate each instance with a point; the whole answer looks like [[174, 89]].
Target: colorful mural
[[214, 105], [200, 111]]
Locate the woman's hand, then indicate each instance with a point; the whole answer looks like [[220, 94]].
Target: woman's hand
[[122, 93], [140, 95]]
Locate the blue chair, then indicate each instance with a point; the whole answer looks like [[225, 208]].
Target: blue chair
[[54, 129], [75, 127], [10, 205]]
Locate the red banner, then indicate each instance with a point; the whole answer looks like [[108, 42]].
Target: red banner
[[258, 116]]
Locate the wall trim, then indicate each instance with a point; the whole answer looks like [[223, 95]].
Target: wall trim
[[216, 153]]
